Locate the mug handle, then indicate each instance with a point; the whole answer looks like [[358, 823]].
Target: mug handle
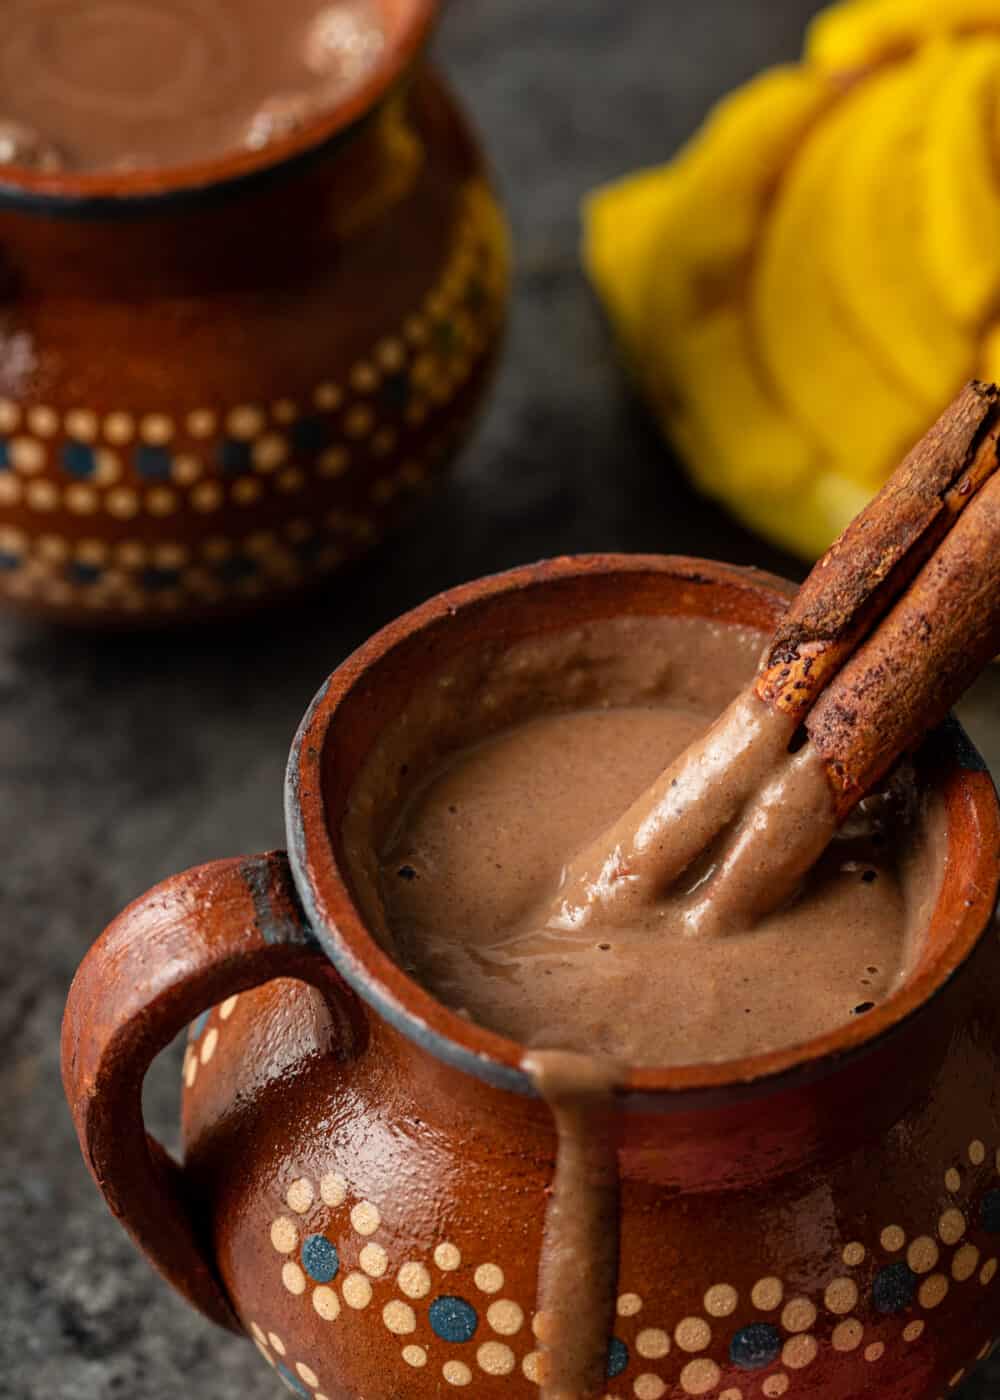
[[186, 945]]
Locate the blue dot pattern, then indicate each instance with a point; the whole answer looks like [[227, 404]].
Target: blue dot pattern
[[310, 435], [78, 572], [754, 1346], [894, 1288], [78, 459], [395, 390], [617, 1357], [453, 1319], [4, 455], [152, 462], [989, 1212], [292, 1382], [236, 568], [320, 1259], [156, 579], [9, 560], [235, 457], [198, 1026]]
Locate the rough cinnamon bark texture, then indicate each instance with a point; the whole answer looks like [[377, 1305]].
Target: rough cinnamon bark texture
[[932, 645], [861, 575]]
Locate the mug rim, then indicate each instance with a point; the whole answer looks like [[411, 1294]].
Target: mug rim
[[340, 927], [99, 192]]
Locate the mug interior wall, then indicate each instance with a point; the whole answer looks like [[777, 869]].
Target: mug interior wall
[[374, 687]]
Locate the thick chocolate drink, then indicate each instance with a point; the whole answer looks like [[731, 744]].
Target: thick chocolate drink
[[105, 85], [469, 873]]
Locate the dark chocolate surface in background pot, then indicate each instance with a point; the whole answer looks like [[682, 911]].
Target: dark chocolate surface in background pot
[[128, 758]]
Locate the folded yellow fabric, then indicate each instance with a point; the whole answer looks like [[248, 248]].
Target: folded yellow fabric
[[807, 284]]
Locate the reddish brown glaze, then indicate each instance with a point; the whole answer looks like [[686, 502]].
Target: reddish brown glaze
[[222, 381], [368, 1185]]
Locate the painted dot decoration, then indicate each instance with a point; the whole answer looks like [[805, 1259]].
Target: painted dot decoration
[[932, 1291], [414, 1280], [453, 1319], [307, 1374], [692, 1334], [921, 1277], [841, 1296], [320, 1259], [496, 1359], [399, 1317], [977, 1152], [798, 1315], [652, 1343], [365, 1218], [489, 1278], [767, 1293], [892, 1238], [951, 1226], [284, 1235], [276, 1342], [922, 1254], [300, 1195], [505, 1317], [618, 1356], [953, 1179], [326, 1303], [894, 1288], [799, 1351], [357, 1291], [456, 1373], [699, 1376], [292, 1383], [532, 1366], [847, 1335], [720, 1300], [755, 1346], [374, 1260], [964, 1263]]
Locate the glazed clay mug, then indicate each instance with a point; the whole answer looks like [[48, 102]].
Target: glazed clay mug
[[365, 1171], [221, 381]]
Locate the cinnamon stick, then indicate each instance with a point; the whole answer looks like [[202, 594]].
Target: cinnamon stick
[[870, 564], [901, 683], [925, 654], [709, 787]]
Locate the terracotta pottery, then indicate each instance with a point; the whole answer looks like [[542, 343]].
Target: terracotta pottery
[[365, 1172], [220, 381]]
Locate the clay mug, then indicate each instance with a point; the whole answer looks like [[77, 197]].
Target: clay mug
[[220, 381], [365, 1171]]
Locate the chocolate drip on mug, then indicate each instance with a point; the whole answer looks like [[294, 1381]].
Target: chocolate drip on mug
[[578, 1267]]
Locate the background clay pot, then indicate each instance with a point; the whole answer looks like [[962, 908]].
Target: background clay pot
[[219, 381], [365, 1172]]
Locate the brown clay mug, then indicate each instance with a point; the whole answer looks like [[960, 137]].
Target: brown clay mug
[[365, 1171], [220, 381]]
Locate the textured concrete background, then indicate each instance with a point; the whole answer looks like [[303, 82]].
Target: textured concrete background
[[124, 760]]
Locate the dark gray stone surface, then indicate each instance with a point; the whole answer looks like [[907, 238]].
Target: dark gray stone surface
[[123, 760]]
